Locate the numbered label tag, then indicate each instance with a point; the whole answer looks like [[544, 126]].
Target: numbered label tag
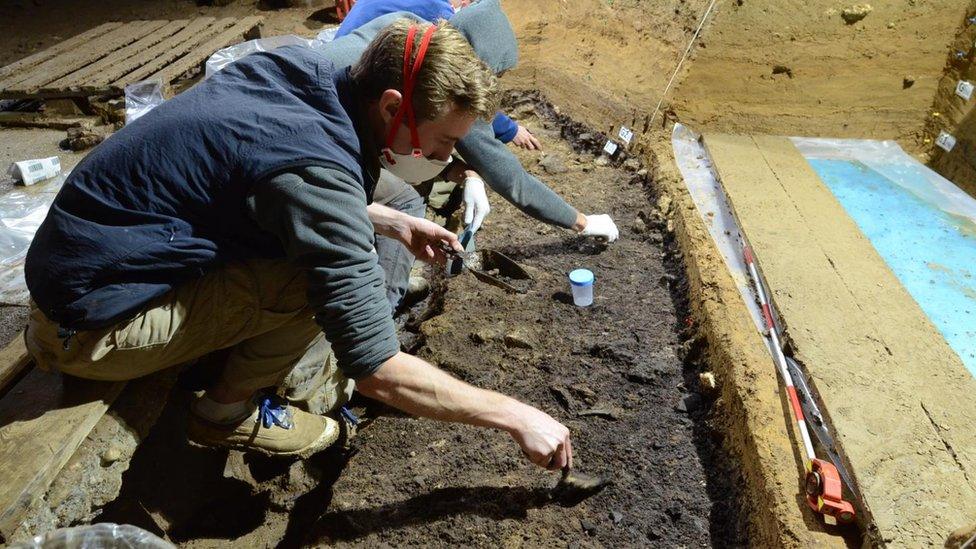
[[610, 148], [625, 134], [964, 89], [945, 141]]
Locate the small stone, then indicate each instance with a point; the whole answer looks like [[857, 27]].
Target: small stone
[[639, 226], [588, 526], [783, 69], [80, 139], [632, 164], [553, 164], [601, 161], [616, 516], [891, 24], [855, 13], [517, 339], [111, 455], [907, 82], [420, 481], [707, 381], [664, 204], [642, 172]]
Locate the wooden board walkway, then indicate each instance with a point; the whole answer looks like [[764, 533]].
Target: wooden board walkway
[[44, 418], [103, 60], [901, 401]]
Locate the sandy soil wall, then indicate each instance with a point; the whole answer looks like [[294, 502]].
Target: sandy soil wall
[[795, 67], [953, 114]]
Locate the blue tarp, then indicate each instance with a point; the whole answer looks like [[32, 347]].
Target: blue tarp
[[920, 223]]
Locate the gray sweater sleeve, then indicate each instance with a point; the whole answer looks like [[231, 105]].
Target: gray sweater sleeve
[[503, 172], [319, 214]]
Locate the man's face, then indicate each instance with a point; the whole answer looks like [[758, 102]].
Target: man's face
[[437, 137]]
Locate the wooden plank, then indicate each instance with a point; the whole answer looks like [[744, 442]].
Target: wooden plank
[[900, 400], [108, 67], [141, 66], [13, 360], [42, 120], [57, 49], [202, 52], [43, 420], [83, 56]]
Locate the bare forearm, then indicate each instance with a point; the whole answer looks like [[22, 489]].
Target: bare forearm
[[387, 221], [416, 387]]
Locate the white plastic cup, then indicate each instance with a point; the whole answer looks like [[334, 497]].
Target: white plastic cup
[[581, 282]]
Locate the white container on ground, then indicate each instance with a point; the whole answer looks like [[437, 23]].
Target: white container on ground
[[581, 282], [28, 172]]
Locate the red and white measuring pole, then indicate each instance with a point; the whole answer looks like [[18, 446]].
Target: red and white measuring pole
[[824, 491], [777, 350]]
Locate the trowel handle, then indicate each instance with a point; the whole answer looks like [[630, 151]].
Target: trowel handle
[[466, 237]]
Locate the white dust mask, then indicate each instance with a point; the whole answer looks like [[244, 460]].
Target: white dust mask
[[414, 168]]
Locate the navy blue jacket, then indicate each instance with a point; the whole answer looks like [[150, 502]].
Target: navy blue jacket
[[163, 200]]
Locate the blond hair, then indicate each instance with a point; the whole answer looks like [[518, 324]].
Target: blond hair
[[450, 74]]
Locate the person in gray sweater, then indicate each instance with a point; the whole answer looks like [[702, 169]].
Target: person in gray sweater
[[237, 216], [488, 30]]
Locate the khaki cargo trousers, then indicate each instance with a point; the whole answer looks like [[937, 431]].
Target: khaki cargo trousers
[[258, 309]]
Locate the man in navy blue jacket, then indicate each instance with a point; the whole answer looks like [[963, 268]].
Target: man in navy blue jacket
[[237, 216], [506, 130]]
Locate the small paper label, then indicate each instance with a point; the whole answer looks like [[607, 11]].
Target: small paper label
[[964, 89], [625, 134], [610, 148], [945, 141]]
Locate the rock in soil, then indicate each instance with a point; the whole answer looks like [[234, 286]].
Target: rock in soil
[[553, 164], [855, 13]]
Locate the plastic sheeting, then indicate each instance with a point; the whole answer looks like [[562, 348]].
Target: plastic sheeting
[[142, 97], [221, 58], [104, 535], [713, 207], [21, 213]]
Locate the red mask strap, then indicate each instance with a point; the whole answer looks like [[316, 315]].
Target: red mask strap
[[409, 80]]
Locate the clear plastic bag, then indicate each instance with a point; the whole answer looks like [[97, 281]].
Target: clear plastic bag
[[104, 535], [21, 213], [142, 97], [221, 58], [327, 35]]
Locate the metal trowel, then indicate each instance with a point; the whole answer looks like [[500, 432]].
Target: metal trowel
[[482, 264]]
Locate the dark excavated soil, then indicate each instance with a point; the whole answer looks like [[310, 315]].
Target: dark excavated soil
[[619, 374]]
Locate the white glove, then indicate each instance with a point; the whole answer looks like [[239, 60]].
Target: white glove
[[601, 226], [476, 206]]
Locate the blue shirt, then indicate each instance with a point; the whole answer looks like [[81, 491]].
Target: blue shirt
[[364, 11]]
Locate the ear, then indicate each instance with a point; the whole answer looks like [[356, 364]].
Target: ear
[[389, 104]]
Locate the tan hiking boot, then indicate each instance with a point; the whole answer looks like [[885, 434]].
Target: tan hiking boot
[[273, 429]]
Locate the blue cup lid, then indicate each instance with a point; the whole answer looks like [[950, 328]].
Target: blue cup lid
[[581, 277]]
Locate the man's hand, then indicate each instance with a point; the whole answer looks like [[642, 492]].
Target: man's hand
[[416, 387], [600, 226], [544, 440], [524, 138], [423, 238], [476, 205]]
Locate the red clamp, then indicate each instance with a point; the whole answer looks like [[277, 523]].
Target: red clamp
[[825, 491]]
